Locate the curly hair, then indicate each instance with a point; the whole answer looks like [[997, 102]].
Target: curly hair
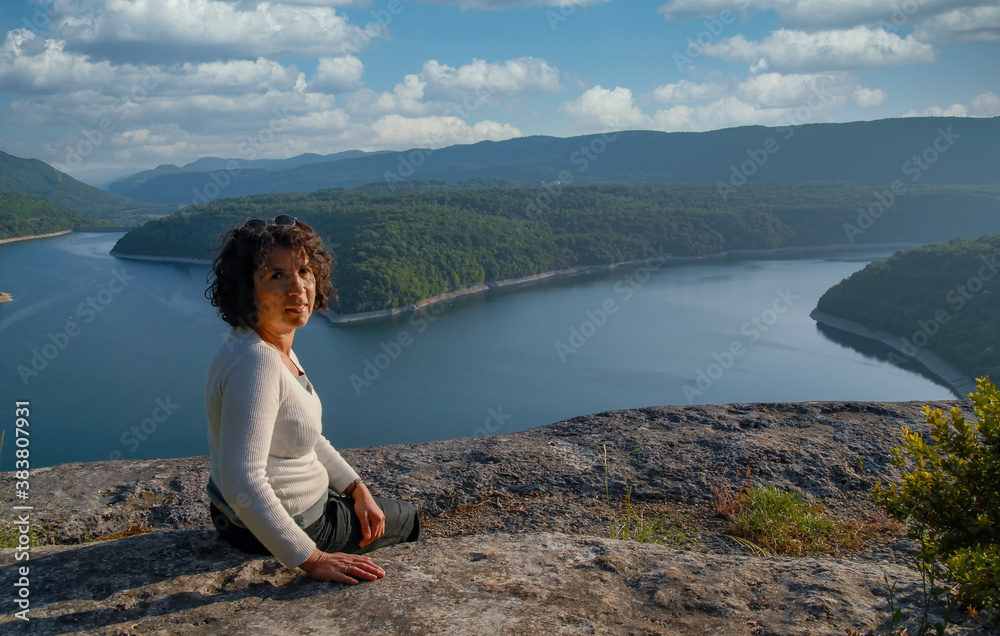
[[243, 251]]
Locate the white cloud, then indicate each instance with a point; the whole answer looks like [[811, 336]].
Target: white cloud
[[516, 76], [774, 90], [726, 112], [439, 89], [985, 105], [232, 76], [869, 98], [686, 91], [601, 109], [31, 65], [982, 105], [768, 99], [797, 51], [434, 132], [160, 31], [337, 74], [820, 14], [498, 5], [976, 24]]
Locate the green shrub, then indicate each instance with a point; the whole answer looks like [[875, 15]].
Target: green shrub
[[949, 495]]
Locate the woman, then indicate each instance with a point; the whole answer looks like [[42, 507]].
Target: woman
[[276, 482]]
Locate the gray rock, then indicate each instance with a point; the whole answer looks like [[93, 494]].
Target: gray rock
[[516, 529]]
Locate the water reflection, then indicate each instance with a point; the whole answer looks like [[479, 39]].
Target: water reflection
[[877, 351]]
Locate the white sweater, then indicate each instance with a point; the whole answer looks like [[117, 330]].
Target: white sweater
[[268, 454]]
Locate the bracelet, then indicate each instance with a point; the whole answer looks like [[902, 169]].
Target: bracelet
[[351, 487]]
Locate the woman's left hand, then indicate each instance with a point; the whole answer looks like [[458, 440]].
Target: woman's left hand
[[371, 516]]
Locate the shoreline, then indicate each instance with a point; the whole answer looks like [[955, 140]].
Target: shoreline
[[5, 297], [164, 259], [513, 283], [952, 376], [34, 236]]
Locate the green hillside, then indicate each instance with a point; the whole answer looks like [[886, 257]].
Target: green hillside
[[22, 215], [397, 248], [36, 178], [943, 297]]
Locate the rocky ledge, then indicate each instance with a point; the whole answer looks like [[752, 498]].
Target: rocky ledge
[[516, 529]]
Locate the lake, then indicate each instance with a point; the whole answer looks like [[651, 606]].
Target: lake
[[112, 354]]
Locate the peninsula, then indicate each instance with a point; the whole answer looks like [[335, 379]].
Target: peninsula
[[5, 297]]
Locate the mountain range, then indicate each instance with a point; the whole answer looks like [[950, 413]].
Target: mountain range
[[928, 150]]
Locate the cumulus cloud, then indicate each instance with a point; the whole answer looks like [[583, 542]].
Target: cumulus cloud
[[29, 64], [436, 132], [439, 89], [797, 51], [985, 105], [521, 75], [337, 74], [975, 24], [726, 112], [821, 14], [769, 99], [869, 98], [498, 5], [982, 105], [686, 91], [160, 31], [601, 109]]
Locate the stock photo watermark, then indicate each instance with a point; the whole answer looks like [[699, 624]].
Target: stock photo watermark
[[957, 298], [138, 433], [389, 352], [758, 157], [626, 287], [901, 14], [581, 158], [915, 169], [495, 418], [714, 28], [248, 150], [61, 339], [22, 524], [752, 330], [411, 160], [93, 138]]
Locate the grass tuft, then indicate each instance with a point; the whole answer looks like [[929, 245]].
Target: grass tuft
[[781, 522]]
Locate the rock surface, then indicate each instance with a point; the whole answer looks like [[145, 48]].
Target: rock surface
[[516, 529]]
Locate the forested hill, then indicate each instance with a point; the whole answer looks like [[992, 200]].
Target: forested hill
[[944, 297], [915, 150], [28, 216], [35, 178], [397, 248]]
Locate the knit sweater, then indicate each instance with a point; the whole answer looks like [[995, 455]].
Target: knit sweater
[[268, 454]]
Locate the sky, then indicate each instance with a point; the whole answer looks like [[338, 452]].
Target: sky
[[105, 88]]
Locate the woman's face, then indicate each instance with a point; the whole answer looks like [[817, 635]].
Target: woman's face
[[285, 290]]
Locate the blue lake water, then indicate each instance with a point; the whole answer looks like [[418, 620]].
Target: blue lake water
[[112, 354]]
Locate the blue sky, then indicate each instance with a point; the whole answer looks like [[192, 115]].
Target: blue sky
[[101, 88]]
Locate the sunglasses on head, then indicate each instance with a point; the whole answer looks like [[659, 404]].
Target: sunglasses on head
[[260, 224]]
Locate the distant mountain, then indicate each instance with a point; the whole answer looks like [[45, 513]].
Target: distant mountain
[[919, 150], [126, 186], [36, 178]]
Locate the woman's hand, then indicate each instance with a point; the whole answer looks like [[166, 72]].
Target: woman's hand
[[340, 567], [371, 516]]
